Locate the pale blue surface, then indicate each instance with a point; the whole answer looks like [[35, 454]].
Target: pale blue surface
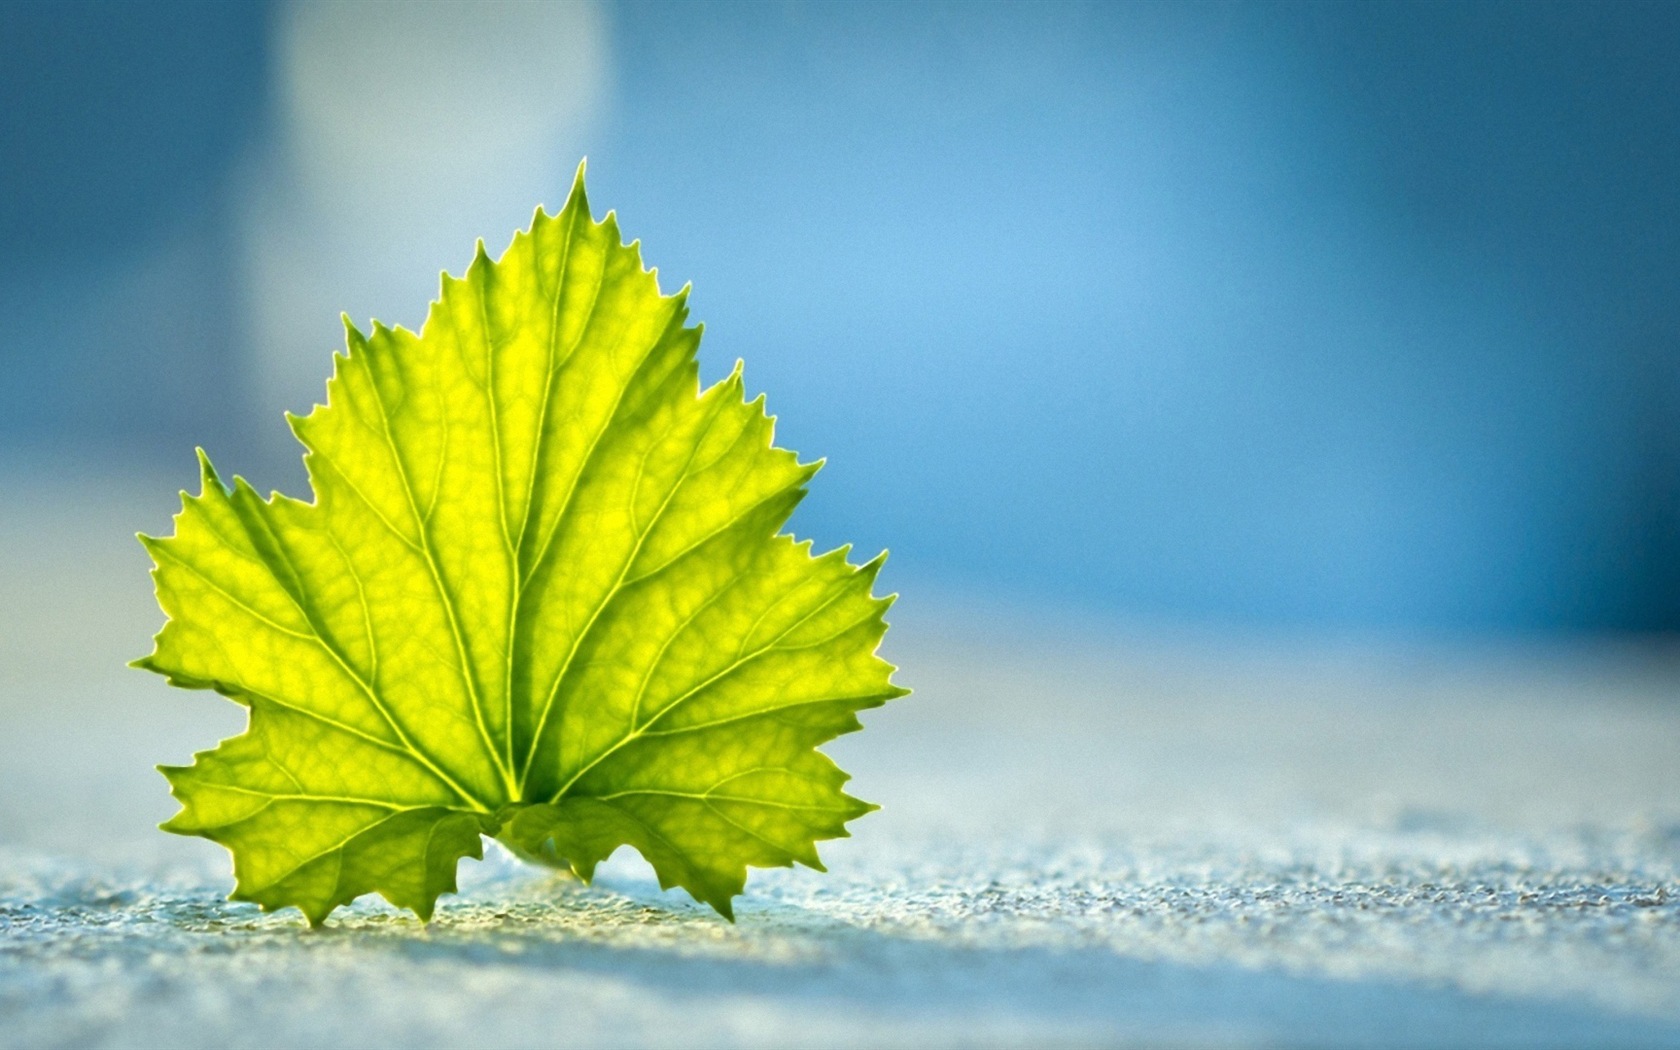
[[1091, 835]]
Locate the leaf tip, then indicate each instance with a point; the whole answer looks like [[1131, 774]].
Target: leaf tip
[[299, 426], [206, 471], [352, 335], [578, 197]]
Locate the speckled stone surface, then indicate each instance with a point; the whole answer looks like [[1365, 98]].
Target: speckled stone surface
[[1093, 835]]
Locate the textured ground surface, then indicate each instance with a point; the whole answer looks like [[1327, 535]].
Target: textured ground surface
[[1092, 835]]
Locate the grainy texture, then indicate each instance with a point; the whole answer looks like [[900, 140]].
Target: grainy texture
[[1091, 836]]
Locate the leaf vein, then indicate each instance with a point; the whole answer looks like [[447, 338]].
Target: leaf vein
[[566, 665], [443, 592], [637, 732]]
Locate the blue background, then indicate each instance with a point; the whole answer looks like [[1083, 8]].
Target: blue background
[[1284, 314]]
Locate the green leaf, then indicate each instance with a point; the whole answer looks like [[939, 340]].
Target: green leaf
[[540, 594]]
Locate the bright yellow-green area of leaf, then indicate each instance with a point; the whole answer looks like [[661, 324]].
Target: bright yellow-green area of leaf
[[541, 593]]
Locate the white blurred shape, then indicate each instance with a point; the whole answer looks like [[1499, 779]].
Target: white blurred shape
[[392, 106], [405, 132]]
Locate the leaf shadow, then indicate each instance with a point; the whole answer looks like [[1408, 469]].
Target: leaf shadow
[[802, 959]]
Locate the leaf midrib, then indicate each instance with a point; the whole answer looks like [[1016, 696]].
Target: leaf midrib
[[541, 722]]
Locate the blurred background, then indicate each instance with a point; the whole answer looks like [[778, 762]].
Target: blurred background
[[1349, 316], [1273, 410]]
